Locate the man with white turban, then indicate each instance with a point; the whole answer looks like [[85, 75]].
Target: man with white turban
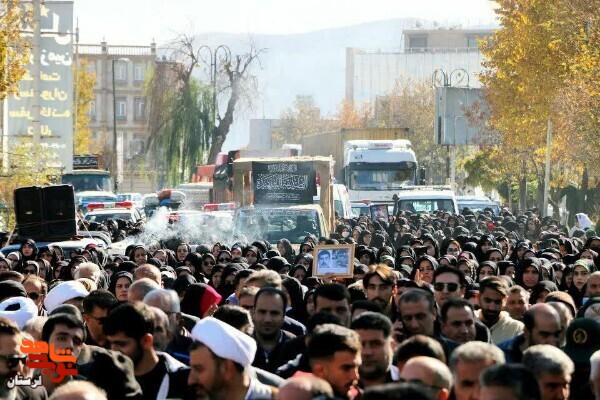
[[219, 361]]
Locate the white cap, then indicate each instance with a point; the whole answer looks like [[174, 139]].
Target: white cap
[[225, 341], [27, 310], [64, 292]]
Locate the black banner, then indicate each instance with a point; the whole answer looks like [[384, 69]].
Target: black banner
[[284, 182], [86, 162]]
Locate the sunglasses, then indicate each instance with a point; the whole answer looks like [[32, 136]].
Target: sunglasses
[[29, 271], [224, 259], [13, 361], [33, 295], [208, 263], [439, 286]]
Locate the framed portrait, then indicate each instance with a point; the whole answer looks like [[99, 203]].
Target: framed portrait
[[336, 260], [379, 211]]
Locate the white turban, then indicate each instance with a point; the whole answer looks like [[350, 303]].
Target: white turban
[[27, 310], [64, 292], [225, 341]]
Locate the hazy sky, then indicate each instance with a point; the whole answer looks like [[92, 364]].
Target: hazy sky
[[139, 21]]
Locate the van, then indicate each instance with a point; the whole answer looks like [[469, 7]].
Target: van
[[426, 199], [341, 200], [478, 204]]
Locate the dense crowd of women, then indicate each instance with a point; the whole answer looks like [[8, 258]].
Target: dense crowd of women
[[536, 253]]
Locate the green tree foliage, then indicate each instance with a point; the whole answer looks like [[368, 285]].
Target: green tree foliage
[[187, 133]]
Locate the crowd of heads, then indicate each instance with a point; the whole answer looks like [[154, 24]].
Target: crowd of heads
[[469, 306]]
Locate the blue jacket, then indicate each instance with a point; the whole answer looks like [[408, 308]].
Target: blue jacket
[[512, 348]]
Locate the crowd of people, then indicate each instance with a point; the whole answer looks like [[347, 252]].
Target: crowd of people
[[469, 306]]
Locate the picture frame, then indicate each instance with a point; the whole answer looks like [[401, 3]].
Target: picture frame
[[334, 261], [379, 211]]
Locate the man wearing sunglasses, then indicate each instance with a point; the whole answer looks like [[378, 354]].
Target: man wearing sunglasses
[[96, 307], [36, 288], [448, 283], [12, 362]]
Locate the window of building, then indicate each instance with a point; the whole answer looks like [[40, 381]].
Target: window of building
[[139, 105], [90, 66], [92, 112], [121, 108], [417, 42], [139, 72], [136, 146], [472, 41], [121, 71]]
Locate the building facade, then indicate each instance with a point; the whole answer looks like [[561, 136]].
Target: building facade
[[370, 75], [132, 64]]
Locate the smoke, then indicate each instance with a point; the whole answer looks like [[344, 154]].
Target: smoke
[[190, 227]]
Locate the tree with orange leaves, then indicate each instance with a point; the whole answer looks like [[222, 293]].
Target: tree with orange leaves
[[543, 64]]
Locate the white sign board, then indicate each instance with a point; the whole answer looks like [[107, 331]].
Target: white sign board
[[56, 86]]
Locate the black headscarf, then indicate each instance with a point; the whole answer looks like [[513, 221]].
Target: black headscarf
[[115, 277], [182, 282], [33, 255], [539, 287]]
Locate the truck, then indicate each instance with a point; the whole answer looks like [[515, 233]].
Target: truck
[[275, 197], [375, 169], [88, 174]]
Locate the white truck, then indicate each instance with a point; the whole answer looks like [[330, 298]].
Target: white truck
[[375, 169]]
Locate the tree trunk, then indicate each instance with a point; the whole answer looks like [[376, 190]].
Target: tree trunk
[[554, 199], [523, 188], [220, 132]]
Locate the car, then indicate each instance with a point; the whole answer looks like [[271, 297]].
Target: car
[[67, 246], [477, 204], [101, 212], [82, 199], [135, 198]]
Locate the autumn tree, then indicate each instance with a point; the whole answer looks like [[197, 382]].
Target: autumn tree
[[352, 116], [84, 95], [302, 118], [541, 66], [14, 50]]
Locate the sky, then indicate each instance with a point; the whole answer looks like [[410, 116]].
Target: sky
[[138, 22]]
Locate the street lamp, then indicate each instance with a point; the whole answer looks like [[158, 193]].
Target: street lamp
[[115, 162], [212, 64]]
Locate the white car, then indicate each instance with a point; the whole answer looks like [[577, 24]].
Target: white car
[[100, 212]]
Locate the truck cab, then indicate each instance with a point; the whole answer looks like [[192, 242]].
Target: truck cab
[[376, 169], [280, 222]]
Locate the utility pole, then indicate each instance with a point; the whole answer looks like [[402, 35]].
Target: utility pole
[[114, 157], [76, 83], [35, 71]]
